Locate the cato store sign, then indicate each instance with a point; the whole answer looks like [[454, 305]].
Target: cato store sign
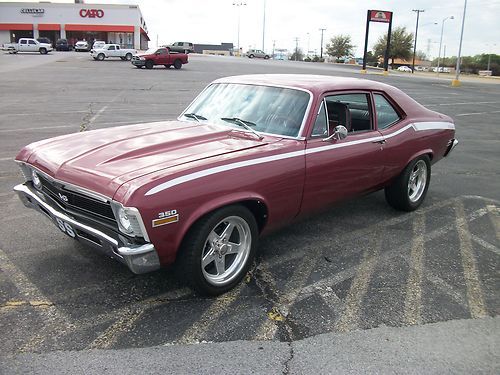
[[91, 13]]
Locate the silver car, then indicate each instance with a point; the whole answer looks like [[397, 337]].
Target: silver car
[[251, 53]]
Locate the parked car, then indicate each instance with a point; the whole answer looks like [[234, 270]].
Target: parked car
[[251, 53], [63, 45], [45, 40], [82, 45], [404, 68], [184, 47], [159, 56], [200, 190], [28, 45], [112, 50], [98, 44]]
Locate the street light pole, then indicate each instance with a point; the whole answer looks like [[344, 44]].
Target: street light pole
[[296, 48], [415, 45], [264, 26], [321, 53], [239, 4], [441, 40], [456, 82]]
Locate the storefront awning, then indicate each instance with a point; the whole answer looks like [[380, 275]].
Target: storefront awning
[[145, 34], [16, 26], [49, 26], [107, 28]]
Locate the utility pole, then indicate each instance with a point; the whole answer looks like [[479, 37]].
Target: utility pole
[[418, 11], [264, 26], [296, 48], [321, 53], [239, 4], [456, 81], [274, 44]]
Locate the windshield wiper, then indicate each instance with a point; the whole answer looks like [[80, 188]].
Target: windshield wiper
[[243, 123], [195, 116]]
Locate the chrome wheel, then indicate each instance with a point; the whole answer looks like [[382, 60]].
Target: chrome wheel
[[417, 181], [226, 250]]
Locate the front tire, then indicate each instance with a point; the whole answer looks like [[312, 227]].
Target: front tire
[[409, 189], [128, 56], [43, 51], [149, 64], [218, 250], [100, 57]]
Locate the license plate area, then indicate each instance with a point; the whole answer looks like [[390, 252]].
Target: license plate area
[[65, 227]]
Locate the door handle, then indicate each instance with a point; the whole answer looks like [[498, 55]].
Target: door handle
[[380, 141]]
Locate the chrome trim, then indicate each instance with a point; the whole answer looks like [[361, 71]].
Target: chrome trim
[[139, 258], [69, 186], [299, 136], [451, 145]]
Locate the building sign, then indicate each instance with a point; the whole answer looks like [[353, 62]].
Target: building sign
[[35, 12], [91, 13], [380, 16]]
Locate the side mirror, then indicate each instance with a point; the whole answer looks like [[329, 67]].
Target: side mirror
[[339, 133]]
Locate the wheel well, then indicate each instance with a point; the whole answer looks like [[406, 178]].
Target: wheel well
[[259, 210]]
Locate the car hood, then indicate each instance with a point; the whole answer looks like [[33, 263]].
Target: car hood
[[103, 160]]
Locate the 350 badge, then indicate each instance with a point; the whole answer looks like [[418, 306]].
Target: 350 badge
[[166, 217]]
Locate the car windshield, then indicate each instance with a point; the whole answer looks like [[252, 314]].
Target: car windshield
[[151, 51], [273, 110]]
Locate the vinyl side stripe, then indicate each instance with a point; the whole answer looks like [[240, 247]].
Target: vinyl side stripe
[[419, 126]]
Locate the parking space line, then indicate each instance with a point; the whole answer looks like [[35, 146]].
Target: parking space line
[[211, 315], [52, 317], [129, 315], [475, 299], [349, 319], [413, 297], [494, 214], [485, 244], [286, 298]]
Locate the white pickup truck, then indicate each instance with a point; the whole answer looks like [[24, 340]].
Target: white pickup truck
[[28, 45], [112, 50]]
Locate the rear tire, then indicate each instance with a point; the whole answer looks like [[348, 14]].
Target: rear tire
[[266, 57], [218, 250], [177, 64], [149, 64], [409, 189]]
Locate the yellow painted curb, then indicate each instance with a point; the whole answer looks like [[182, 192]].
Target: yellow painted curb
[[363, 71], [455, 83], [385, 73]]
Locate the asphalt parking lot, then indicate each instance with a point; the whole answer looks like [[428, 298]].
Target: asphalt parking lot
[[358, 266]]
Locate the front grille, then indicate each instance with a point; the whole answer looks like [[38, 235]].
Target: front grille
[[72, 200]]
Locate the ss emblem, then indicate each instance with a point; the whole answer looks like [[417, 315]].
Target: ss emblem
[[63, 197]]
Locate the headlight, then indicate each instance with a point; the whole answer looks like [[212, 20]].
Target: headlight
[[36, 180], [124, 220], [129, 220]]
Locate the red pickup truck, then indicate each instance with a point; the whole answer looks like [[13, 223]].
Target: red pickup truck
[[159, 56]]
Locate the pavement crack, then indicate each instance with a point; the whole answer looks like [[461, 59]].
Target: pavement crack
[[286, 364]]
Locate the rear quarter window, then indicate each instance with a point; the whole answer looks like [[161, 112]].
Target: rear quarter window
[[386, 113]]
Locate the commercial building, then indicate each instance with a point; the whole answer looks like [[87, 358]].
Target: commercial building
[[214, 49], [120, 24]]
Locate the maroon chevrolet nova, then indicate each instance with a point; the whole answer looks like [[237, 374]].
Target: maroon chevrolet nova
[[249, 154]]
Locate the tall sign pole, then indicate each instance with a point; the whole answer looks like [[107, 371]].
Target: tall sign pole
[[321, 50], [416, 33], [378, 16], [365, 52]]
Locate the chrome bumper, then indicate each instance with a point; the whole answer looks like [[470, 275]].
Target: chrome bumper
[[451, 145], [138, 258]]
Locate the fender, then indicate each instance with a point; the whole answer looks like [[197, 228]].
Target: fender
[[426, 151], [213, 205]]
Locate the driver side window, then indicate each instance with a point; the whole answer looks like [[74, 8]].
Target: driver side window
[[320, 129]]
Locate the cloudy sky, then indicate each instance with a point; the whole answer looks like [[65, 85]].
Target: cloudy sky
[[216, 21]]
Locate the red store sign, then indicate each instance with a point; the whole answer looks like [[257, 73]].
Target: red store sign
[[91, 13], [380, 16]]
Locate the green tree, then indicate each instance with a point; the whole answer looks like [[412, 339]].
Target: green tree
[[401, 44], [340, 46], [297, 55]]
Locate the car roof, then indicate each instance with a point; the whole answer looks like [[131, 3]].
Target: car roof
[[315, 83]]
